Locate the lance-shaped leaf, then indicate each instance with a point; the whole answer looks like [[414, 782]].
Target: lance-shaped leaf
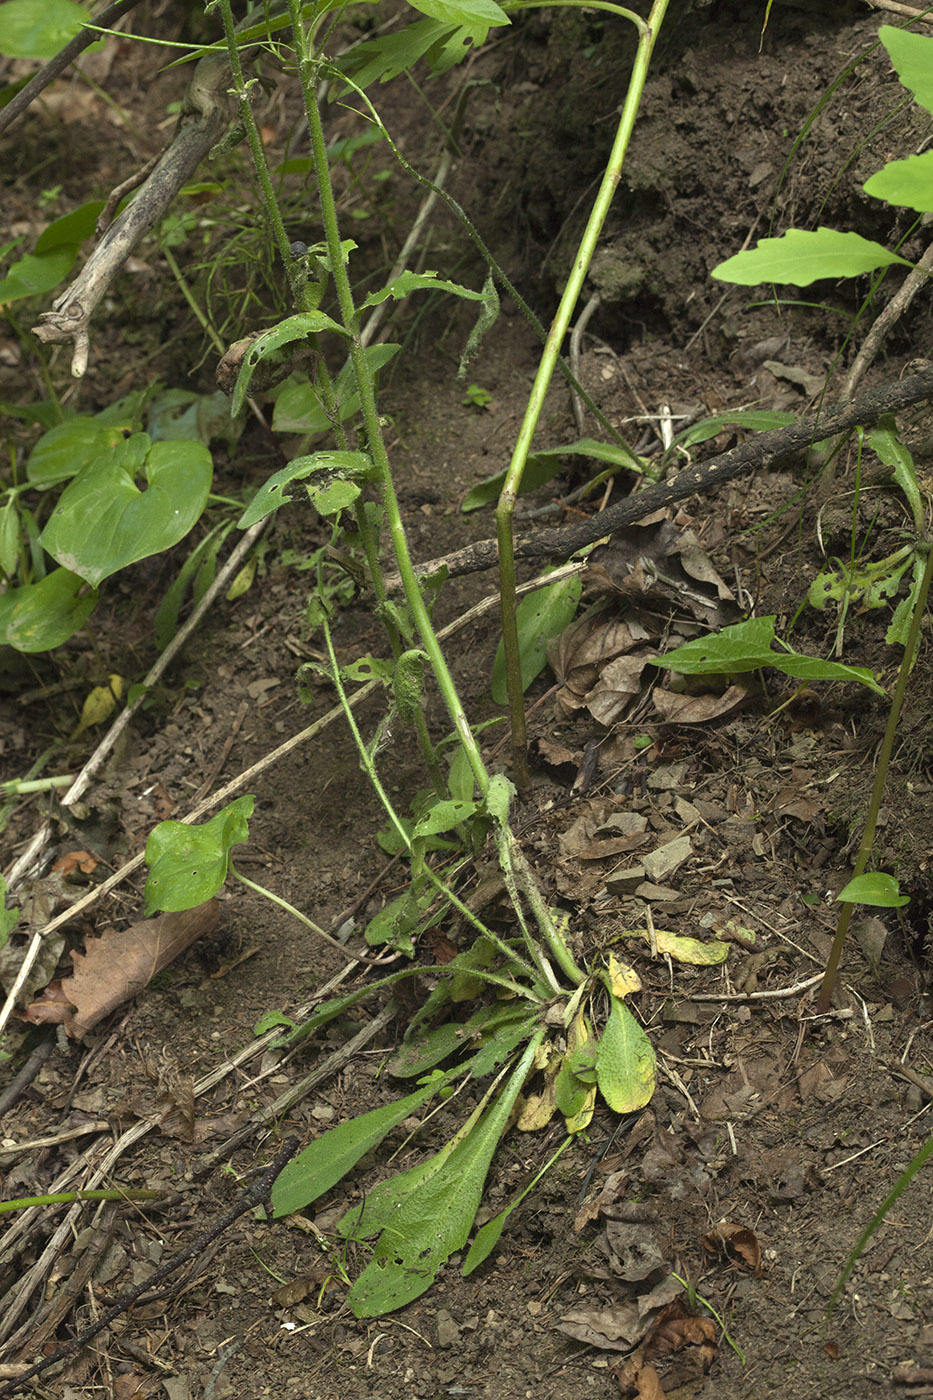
[[271, 342], [802, 256], [330, 471]]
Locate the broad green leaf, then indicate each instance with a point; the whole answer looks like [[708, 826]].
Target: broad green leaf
[[103, 521], [801, 257], [33, 276], [385, 57], [267, 346], [346, 467], [9, 918], [747, 647], [874, 888], [891, 451], [41, 616], [178, 414], [905, 183], [71, 228], [188, 864], [418, 282], [39, 28], [329, 1157], [298, 408], [625, 1061], [434, 1219], [912, 57], [540, 616], [65, 449]]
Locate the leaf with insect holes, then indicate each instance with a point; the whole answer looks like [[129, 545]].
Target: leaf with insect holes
[[188, 864], [269, 344], [410, 282], [329, 472], [802, 256], [625, 1061]]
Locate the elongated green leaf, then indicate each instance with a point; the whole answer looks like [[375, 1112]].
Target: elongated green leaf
[[874, 888], [41, 616], [892, 452], [421, 1054], [747, 647], [419, 282], [487, 1237], [271, 342], [338, 466], [802, 257], [434, 1220], [104, 522], [10, 534], [388, 55], [188, 864], [443, 816], [543, 466], [912, 57], [328, 1158], [757, 419], [905, 183], [540, 616], [625, 1061]]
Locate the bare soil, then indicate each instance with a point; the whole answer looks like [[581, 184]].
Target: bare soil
[[774, 1135]]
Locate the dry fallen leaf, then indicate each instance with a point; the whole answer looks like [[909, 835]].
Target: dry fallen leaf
[[736, 1244], [117, 966]]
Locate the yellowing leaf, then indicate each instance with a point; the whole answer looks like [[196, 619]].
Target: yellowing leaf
[[100, 704], [537, 1110], [623, 979], [243, 581], [625, 1061], [683, 949]]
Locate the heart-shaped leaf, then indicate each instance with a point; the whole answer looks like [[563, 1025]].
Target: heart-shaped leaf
[[188, 864], [104, 521]]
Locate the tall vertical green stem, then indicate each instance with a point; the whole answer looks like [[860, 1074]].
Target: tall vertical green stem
[[647, 34], [308, 67]]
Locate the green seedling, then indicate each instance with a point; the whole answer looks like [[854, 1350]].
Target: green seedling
[[477, 397]]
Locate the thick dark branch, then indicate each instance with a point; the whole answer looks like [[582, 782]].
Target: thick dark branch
[[764, 450]]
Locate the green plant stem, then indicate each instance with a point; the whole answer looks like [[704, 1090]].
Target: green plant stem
[[69, 1197], [647, 35], [309, 67], [289, 909], [18, 787], [189, 297], [366, 760], [297, 284], [881, 777]]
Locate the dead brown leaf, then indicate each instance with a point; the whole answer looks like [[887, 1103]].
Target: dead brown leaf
[[117, 966], [696, 709], [736, 1244]]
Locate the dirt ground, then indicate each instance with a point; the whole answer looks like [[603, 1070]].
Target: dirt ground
[[774, 1135]]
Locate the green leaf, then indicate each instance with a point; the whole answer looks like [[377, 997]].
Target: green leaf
[[542, 466], [39, 28], [757, 419], [410, 282], [65, 449], [188, 864], [443, 816], [912, 57], [433, 1219], [72, 228], [10, 534], [298, 408], [540, 616], [41, 616], [625, 1061], [889, 449], [487, 1237], [337, 466], [876, 889], [103, 521], [329, 1157], [267, 346], [905, 183], [747, 647], [476, 17], [418, 1055], [802, 257], [384, 58], [9, 918], [33, 276]]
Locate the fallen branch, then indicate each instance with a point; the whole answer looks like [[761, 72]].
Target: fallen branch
[[765, 449], [204, 117]]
